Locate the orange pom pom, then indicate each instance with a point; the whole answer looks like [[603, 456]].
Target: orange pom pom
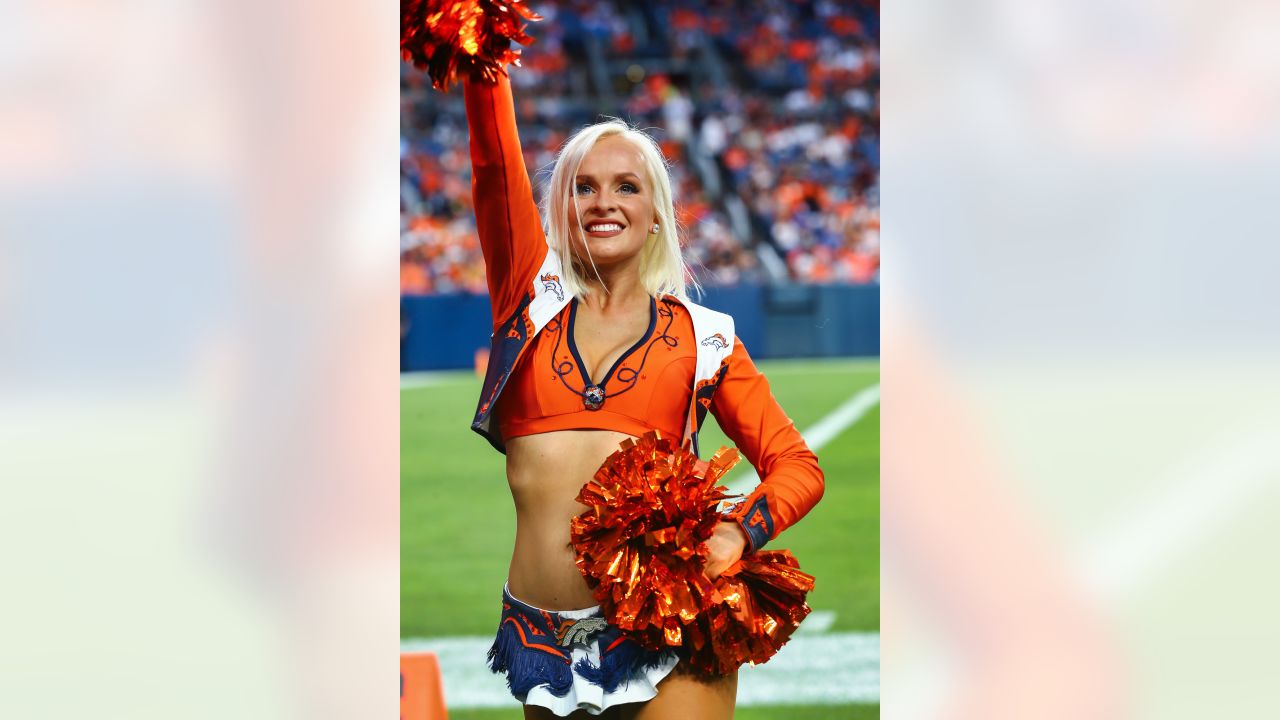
[[642, 542], [642, 548], [763, 602], [455, 39]]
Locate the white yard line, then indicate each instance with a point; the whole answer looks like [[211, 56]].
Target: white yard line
[[825, 669], [842, 417], [818, 622], [819, 434]]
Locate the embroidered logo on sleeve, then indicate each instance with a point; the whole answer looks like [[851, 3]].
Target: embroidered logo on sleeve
[[758, 523], [716, 341], [551, 283]]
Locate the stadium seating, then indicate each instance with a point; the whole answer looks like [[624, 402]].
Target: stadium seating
[[768, 111]]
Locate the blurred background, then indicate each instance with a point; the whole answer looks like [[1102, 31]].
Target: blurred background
[[768, 113]]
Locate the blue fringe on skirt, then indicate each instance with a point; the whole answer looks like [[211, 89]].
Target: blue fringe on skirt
[[529, 649]]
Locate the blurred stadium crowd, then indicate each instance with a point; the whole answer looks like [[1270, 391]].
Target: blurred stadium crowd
[[768, 112]]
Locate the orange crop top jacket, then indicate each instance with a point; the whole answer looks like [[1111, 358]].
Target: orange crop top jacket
[[686, 364], [647, 388]]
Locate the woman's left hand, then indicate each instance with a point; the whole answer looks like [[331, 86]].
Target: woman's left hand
[[724, 548]]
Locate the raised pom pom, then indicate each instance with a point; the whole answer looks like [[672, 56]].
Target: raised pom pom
[[642, 548], [456, 39]]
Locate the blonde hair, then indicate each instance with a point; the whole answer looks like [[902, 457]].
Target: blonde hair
[[662, 267]]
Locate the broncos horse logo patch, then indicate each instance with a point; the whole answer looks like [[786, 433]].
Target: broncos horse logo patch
[[579, 632], [716, 341], [551, 283]]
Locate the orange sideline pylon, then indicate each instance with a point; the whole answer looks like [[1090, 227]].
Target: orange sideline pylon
[[421, 687]]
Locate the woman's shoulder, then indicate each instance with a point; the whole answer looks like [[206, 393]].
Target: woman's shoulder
[[713, 329], [689, 307]]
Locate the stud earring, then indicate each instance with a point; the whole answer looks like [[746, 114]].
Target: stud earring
[[654, 230]]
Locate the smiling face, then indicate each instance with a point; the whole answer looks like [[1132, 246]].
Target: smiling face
[[614, 204]]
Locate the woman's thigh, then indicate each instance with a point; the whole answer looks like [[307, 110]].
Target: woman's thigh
[[535, 712], [681, 695], [684, 695], [618, 712]]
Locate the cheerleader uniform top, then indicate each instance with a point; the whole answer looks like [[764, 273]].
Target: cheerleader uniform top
[[687, 363]]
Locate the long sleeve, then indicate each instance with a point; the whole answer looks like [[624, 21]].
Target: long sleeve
[[791, 481], [506, 215]]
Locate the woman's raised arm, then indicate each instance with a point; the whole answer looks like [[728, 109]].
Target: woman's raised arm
[[506, 215]]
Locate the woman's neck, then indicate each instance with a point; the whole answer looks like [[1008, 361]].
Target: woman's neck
[[611, 291]]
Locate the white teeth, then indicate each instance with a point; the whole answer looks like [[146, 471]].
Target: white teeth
[[604, 227]]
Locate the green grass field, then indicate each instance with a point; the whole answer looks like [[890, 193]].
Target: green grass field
[[457, 520]]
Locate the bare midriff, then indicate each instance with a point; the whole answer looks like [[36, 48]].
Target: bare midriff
[[545, 473]]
